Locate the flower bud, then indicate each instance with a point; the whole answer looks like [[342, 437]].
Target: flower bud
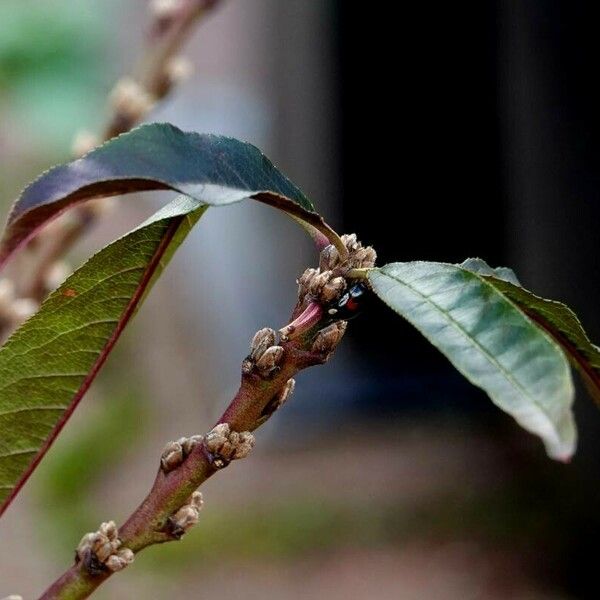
[[226, 445], [351, 242], [129, 98], [263, 339], [332, 290], [329, 258], [190, 443], [172, 456], [120, 560], [318, 282], [327, 339], [270, 360]]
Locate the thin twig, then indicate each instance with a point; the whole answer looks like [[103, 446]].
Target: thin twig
[[150, 522], [266, 383]]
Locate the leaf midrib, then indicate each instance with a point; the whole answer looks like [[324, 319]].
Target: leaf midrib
[[515, 383]]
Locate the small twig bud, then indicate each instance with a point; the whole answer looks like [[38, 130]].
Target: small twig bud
[[277, 402], [305, 280], [225, 445], [120, 560], [333, 290], [359, 257], [172, 456], [329, 258], [179, 69], [327, 339], [83, 142], [262, 340], [23, 308], [187, 516], [350, 241], [318, 282], [269, 361], [131, 100], [176, 452], [190, 443], [100, 551], [286, 392], [162, 9], [56, 274]]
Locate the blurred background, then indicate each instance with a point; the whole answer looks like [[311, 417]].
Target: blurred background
[[436, 131]]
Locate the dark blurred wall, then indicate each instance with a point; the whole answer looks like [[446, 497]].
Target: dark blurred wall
[[472, 129]]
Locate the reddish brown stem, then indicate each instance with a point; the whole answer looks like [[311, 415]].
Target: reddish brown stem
[[148, 524]]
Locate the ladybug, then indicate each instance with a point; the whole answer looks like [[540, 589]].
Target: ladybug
[[350, 304]]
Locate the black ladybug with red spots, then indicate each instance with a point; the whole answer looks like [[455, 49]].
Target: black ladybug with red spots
[[350, 304]]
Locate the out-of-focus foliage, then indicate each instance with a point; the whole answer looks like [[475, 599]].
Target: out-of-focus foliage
[[53, 56]]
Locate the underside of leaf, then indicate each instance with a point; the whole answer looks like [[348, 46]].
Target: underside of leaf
[[49, 363]]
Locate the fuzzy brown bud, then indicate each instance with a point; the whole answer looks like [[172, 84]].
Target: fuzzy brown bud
[[262, 340], [179, 69], [277, 402], [176, 452], [104, 546], [270, 360], [190, 443], [130, 99], [329, 258], [369, 259], [286, 392], [327, 339], [332, 290], [226, 445], [318, 282], [188, 515], [117, 562], [305, 281], [351, 242], [172, 456]]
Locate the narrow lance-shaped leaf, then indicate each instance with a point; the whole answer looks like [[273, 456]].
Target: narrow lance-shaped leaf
[[49, 363], [490, 340], [212, 169]]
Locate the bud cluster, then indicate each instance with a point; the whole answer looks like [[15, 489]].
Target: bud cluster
[[176, 452], [327, 283], [225, 445], [265, 356], [102, 550], [187, 516]]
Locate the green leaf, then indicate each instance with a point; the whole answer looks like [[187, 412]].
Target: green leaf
[[212, 169], [49, 363], [490, 340], [555, 318]]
